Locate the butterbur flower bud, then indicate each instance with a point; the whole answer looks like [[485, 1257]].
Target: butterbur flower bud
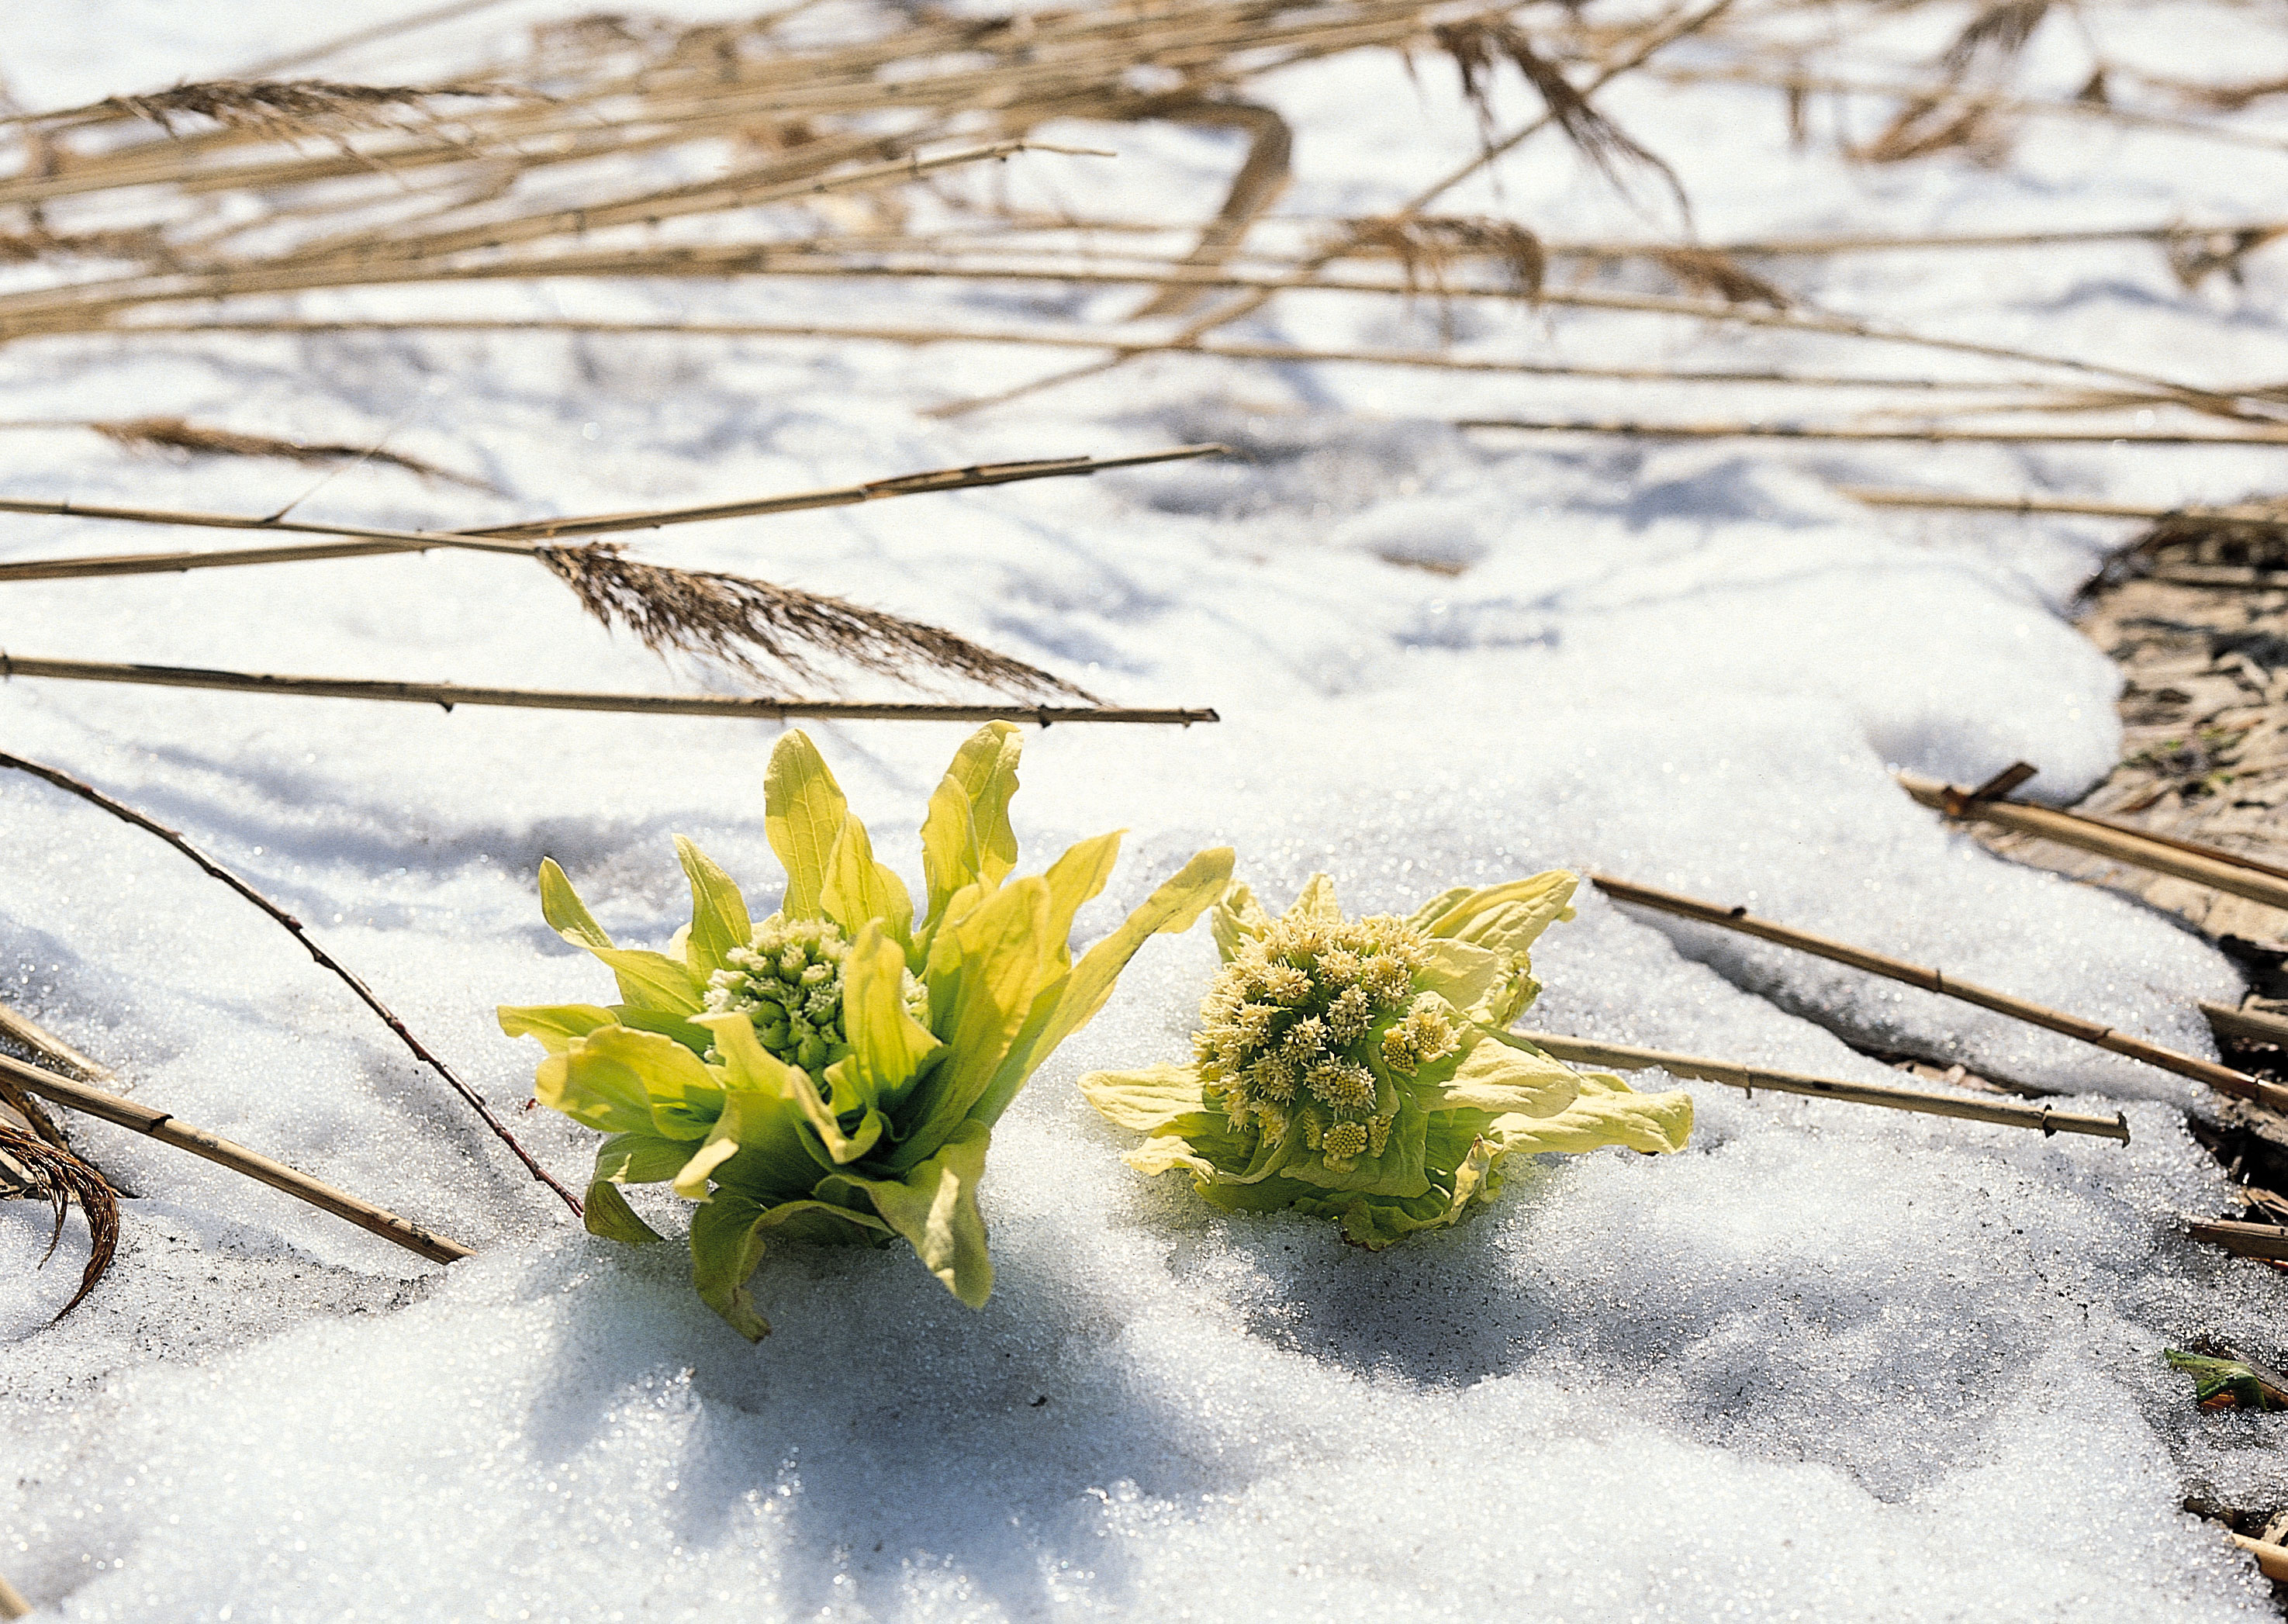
[[834, 1072], [1363, 1069]]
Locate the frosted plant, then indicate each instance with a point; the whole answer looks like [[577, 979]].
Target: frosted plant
[[834, 1072], [1361, 1069]]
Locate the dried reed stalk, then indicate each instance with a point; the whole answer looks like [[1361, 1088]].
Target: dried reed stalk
[[2209, 865], [1227, 349], [12, 1604], [64, 1178], [537, 530], [2249, 1026], [1922, 435], [2223, 1079], [2256, 516], [168, 433], [1628, 1058], [2226, 402], [1968, 107], [2271, 1560], [25, 1033], [1663, 34], [446, 695], [2243, 1239], [293, 927], [274, 107], [172, 1130]]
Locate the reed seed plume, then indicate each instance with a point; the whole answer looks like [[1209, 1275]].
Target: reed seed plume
[[201, 439], [1480, 43], [1707, 270], [278, 107], [730, 620], [64, 1178], [1995, 35], [1425, 246], [134, 243]]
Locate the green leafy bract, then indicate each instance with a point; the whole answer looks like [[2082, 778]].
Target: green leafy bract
[[1363, 1071], [833, 1073]]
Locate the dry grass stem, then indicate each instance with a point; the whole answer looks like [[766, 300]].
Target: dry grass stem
[[446, 695], [2211, 866], [65, 1179], [275, 108], [1904, 436], [2223, 1079], [1227, 349], [2172, 524], [21, 1030], [169, 433], [168, 1129], [1629, 1058]]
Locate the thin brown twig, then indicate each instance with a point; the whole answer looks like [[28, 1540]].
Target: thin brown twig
[[293, 927]]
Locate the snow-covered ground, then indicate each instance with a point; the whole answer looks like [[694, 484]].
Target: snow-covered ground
[[1828, 1363]]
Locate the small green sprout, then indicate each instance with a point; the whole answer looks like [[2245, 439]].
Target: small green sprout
[[834, 1072], [1362, 1069]]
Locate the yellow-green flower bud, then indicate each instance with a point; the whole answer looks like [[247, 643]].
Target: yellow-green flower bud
[[1284, 1040], [788, 981]]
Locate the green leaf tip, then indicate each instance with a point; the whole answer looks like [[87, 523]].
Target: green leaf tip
[[832, 1072], [1360, 1070]]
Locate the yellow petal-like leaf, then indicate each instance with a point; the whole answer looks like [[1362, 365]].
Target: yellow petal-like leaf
[[803, 810], [1317, 901], [1463, 973], [986, 768], [859, 890], [650, 980], [1507, 918], [985, 970], [887, 1045], [719, 913], [1076, 878], [934, 1207], [556, 1025], [1495, 1077], [691, 1179], [1236, 919], [1173, 908], [1607, 1111], [1146, 1100], [1167, 1152], [606, 1212]]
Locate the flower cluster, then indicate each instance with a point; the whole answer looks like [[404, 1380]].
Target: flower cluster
[[1291, 1026], [834, 1072], [787, 980], [1362, 1070]]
